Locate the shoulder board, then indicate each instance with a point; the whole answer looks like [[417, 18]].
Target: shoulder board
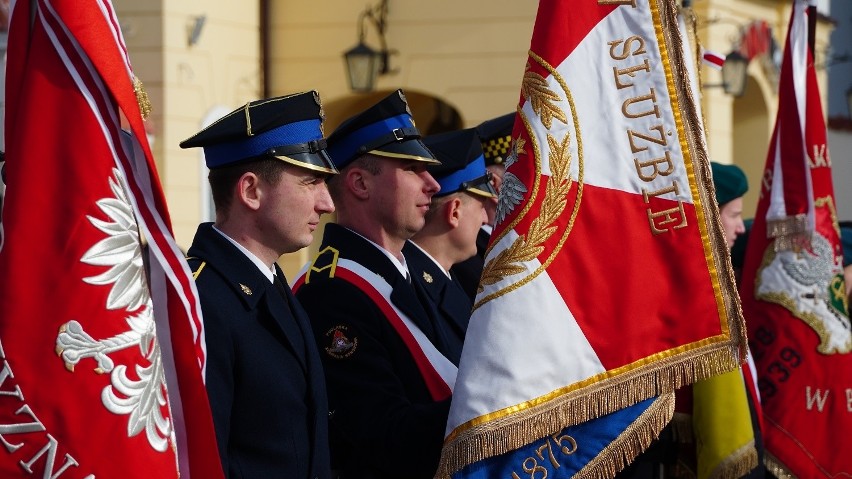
[[324, 265], [196, 265]]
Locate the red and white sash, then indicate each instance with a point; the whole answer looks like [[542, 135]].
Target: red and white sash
[[438, 372]]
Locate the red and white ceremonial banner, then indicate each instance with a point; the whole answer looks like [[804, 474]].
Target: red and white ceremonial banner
[[793, 291], [101, 372], [607, 280]]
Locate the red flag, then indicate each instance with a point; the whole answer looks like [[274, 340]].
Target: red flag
[[101, 372], [795, 304]]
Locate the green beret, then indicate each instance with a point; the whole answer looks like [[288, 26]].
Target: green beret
[[730, 182]]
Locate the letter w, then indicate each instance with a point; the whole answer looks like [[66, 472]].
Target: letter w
[[819, 397]]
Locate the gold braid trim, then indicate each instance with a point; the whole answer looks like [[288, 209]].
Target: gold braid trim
[[776, 467], [697, 165], [738, 464], [467, 445], [630, 443], [142, 98]]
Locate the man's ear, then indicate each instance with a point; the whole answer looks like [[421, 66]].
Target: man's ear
[[358, 182], [249, 191], [452, 212]]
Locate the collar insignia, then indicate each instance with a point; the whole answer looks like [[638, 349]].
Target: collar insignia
[[245, 289], [427, 277]]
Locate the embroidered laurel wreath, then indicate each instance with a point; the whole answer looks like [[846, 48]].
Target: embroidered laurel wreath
[[529, 246]]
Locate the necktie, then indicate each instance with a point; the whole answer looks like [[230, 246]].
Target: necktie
[[279, 285]]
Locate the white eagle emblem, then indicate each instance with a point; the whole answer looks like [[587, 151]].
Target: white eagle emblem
[[511, 191], [805, 283], [141, 399]]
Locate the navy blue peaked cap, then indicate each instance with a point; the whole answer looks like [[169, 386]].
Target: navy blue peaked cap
[[287, 128], [385, 129], [462, 165], [496, 137]]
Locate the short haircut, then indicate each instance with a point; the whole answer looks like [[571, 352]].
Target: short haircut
[[370, 163], [438, 202], [223, 180]]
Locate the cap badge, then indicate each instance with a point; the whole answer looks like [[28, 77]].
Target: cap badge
[[341, 347]]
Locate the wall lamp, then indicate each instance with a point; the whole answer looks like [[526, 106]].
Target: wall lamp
[[364, 64], [734, 74]]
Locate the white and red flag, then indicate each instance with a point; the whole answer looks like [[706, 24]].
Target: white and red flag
[[793, 290], [101, 337], [607, 282]]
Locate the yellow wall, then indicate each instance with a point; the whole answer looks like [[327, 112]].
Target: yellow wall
[[185, 82], [469, 54]]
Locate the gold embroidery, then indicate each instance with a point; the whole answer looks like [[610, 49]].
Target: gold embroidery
[[427, 277], [245, 289], [142, 98], [529, 246], [789, 303], [543, 100]]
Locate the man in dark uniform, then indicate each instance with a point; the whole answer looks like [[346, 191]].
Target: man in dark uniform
[[268, 167], [495, 136], [452, 223], [389, 382]]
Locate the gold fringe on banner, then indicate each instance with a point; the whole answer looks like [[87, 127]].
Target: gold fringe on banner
[[790, 233], [563, 408], [635, 439], [503, 431], [737, 464]]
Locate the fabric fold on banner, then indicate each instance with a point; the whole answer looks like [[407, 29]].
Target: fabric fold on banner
[[606, 215], [714, 418], [100, 334], [793, 288]]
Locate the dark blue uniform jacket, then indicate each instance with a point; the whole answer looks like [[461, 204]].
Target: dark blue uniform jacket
[[445, 295], [384, 422], [264, 376]]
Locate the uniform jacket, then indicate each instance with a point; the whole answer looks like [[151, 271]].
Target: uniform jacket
[[384, 423], [444, 294], [467, 272], [264, 375]]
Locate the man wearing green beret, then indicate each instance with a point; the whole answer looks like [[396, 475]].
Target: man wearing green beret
[[731, 184]]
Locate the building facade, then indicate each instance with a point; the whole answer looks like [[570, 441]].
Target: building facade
[[459, 63]]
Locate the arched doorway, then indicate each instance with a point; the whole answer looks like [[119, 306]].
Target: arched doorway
[[751, 132]]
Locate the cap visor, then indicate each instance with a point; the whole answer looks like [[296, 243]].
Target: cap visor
[[411, 150], [319, 161]]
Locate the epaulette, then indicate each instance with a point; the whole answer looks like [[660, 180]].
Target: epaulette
[[196, 270], [324, 265]]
